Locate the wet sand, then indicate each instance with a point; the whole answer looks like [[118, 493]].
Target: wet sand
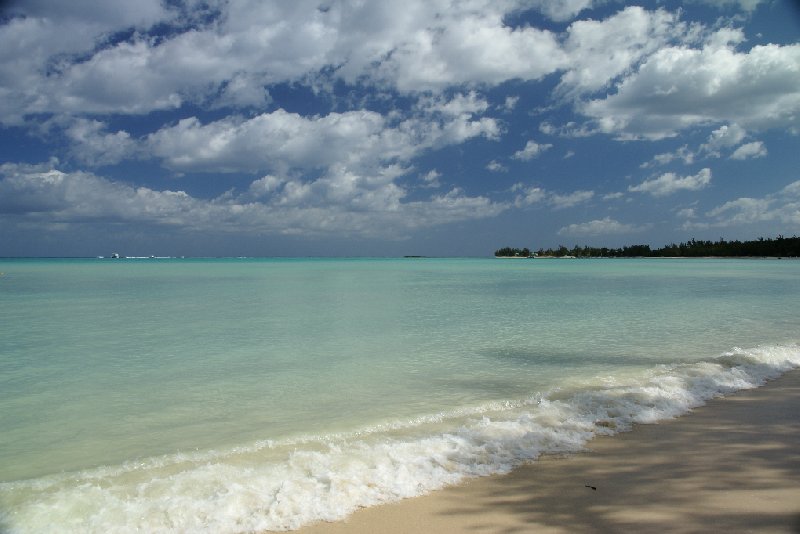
[[730, 466]]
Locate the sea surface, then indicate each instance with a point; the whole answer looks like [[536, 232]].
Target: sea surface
[[239, 395]]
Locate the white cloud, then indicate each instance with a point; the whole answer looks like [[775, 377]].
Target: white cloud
[[570, 129], [34, 48], [251, 45], [782, 206], [452, 206], [282, 140], [406, 45], [756, 149], [265, 186], [571, 199], [561, 10], [724, 137], [431, 178], [745, 5], [614, 196], [743, 210], [683, 153], [496, 166], [532, 150], [669, 183], [459, 105], [93, 145], [409, 46], [793, 189], [278, 140], [605, 226], [106, 16], [242, 90], [528, 195], [510, 103], [45, 196], [465, 45], [599, 51], [680, 87]]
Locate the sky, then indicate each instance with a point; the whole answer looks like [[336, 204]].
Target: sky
[[394, 127]]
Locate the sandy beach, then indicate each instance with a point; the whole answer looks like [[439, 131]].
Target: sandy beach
[[730, 466]]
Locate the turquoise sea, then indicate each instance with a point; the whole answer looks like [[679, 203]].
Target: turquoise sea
[[237, 395]]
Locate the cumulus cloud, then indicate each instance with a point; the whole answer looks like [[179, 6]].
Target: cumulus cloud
[[527, 195], [387, 82], [106, 16], [782, 206], [724, 137], [679, 87], [631, 34], [459, 105], [496, 166], [94, 145], [561, 10], [669, 183], [41, 39], [792, 190], [756, 149], [571, 199], [532, 150], [683, 153], [743, 210], [278, 140], [282, 140], [510, 103], [745, 5], [605, 226], [468, 46], [250, 45], [43, 195], [408, 46], [431, 178], [570, 129]]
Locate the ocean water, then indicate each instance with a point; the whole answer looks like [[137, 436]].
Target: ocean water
[[239, 395]]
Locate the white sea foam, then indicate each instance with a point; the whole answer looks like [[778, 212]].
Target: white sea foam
[[282, 486]]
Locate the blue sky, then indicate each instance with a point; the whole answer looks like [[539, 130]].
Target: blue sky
[[387, 128]]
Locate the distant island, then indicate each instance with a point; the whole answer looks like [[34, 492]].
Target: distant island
[[778, 247]]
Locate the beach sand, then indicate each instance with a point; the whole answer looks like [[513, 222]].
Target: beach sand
[[730, 466]]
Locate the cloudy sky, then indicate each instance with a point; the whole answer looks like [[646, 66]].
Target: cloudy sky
[[394, 127]]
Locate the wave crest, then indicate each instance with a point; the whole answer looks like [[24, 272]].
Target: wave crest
[[328, 477]]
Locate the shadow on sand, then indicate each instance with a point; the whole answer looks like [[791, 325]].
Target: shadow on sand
[[731, 466]]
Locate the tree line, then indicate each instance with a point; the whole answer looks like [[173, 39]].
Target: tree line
[[779, 247]]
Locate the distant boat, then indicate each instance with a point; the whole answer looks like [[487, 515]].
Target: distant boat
[[115, 256]]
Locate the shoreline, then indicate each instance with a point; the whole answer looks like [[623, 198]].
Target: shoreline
[[732, 464]]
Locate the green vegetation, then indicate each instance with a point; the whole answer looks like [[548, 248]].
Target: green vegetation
[[779, 247], [508, 252]]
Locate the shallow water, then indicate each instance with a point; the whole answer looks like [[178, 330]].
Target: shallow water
[[229, 395]]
